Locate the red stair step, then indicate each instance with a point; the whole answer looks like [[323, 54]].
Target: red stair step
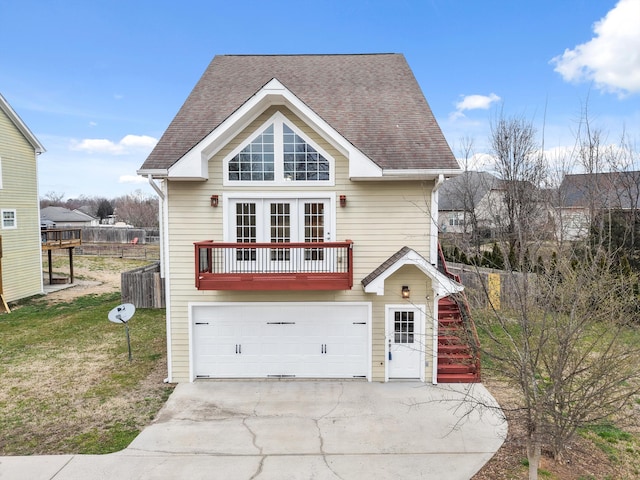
[[458, 378]]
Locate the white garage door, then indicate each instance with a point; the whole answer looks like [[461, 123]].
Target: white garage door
[[257, 340]]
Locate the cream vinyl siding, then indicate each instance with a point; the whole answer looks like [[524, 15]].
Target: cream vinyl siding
[[380, 218], [21, 259]]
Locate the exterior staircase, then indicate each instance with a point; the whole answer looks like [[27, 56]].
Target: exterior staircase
[[458, 344], [458, 352]]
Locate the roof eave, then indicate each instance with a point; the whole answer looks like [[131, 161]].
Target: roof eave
[[409, 174]]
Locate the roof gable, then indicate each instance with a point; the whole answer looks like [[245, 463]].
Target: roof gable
[[373, 102], [443, 285]]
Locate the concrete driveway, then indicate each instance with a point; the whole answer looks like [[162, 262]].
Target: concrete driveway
[[297, 430]]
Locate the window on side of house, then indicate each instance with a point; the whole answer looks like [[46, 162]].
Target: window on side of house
[[9, 220], [278, 154]]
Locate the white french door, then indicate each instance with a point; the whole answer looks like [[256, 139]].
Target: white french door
[[280, 221]]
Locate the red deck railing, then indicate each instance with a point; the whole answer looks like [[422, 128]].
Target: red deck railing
[[274, 266]]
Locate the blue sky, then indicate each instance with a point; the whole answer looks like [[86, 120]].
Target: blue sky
[[99, 81]]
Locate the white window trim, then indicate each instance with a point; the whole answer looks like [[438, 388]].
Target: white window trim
[[231, 198], [277, 119], [15, 219]]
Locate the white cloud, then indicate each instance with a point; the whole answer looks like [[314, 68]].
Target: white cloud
[[611, 59], [473, 102], [128, 144], [135, 179]]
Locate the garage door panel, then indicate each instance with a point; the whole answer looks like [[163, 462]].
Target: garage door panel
[[262, 340]]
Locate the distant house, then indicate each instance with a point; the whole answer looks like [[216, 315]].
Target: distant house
[[65, 218], [581, 197], [473, 198], [21, 257]]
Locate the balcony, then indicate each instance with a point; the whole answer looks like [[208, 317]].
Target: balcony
[[274, 266]]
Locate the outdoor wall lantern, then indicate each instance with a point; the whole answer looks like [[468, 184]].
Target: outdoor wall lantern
[[406, 293], [343, 201], [214, 200]]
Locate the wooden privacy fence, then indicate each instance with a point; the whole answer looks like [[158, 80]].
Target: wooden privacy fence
[[484, 286], [143, 287], [120, 235]]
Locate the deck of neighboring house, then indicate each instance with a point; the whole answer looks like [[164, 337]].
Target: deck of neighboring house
[[57, 239]]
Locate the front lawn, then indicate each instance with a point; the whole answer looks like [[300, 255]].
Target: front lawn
[[66, 384]]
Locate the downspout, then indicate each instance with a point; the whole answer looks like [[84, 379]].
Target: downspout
[[160, 220], [433, 254], [433, 234], [161, 224]]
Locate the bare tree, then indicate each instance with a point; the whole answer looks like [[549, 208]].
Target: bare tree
[[563, 345], [522, 169], [561, 338], [137, 209], [51, 199]]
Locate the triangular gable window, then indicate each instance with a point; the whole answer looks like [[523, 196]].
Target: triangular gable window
[[301, 160], [279, 154], [255, 161]]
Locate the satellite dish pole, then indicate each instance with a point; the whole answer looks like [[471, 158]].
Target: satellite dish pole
[[122, 314]]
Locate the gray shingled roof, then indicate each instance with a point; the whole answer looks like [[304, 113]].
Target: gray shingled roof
[[374, 101], [62, 214], [604, 190], [387, 264]]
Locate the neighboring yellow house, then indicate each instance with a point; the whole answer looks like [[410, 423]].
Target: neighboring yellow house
[[19, 207], [299, 220]]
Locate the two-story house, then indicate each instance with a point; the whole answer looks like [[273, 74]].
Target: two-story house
[[299, 220], [20, 253], [472, 200]]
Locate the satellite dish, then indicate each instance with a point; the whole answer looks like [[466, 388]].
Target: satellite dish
[[122, 313]]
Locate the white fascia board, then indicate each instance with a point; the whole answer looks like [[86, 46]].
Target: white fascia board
[[442, 285], [194, 164], [154, 172], [417, 173]]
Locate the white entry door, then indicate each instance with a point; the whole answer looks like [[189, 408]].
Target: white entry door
[[405, 342]]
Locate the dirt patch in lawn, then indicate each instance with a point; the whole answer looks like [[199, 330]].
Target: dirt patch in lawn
[[583, 459]]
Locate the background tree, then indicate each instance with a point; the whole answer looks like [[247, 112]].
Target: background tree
[[521, 167], [104, 210], [137, 209]]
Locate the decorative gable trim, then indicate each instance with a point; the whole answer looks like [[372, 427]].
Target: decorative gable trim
[[443, 285], [194, 165]]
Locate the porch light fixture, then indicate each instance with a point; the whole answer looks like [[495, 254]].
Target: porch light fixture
[[406, 293], [343, 201], [214, 200]]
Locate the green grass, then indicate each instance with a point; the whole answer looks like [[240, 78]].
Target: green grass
[[66, 384], [607, 437]]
